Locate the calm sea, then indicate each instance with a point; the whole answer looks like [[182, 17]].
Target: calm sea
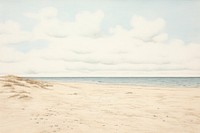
[[187, 82]]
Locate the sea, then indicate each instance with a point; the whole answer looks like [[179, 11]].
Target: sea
[[182, 82]]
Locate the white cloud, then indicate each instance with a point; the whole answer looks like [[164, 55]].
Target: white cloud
[[85, 24], [73, 50], [145, 29], [10, 55], [161, 37], [10, 32]]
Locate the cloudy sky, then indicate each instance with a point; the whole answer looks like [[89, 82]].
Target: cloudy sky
[[100, 37]]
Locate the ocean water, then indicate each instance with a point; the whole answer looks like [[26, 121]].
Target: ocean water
[[183, 82]]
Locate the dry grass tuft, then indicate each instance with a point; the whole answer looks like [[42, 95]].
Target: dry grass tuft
[[24, 97], [24, 92], [13, 91], [15, 95], [7, 85], [20, 84], [38, 84], [11, 81], [20, 96], [12, 77]]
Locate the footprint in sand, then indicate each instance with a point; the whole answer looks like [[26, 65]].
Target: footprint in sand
[[44, 132], [56, 125], [51, 126]]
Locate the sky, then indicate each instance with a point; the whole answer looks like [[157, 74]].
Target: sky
[[126, 38]]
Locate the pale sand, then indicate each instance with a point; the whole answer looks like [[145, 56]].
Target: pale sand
[[27, 106]]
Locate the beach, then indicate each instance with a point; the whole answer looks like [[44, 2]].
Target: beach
[[32, 106]]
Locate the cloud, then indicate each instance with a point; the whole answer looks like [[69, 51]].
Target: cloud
[[85, 24], [79, 48], [161, 37], [10, 32], [143, 29]]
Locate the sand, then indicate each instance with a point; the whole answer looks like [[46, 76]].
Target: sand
[[28, 106]]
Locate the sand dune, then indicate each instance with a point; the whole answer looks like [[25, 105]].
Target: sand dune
[[29, 106]]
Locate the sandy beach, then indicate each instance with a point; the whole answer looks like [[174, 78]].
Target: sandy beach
[[29, 106]]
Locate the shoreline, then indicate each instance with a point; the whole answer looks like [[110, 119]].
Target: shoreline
[[131, 83], [46, 107]]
